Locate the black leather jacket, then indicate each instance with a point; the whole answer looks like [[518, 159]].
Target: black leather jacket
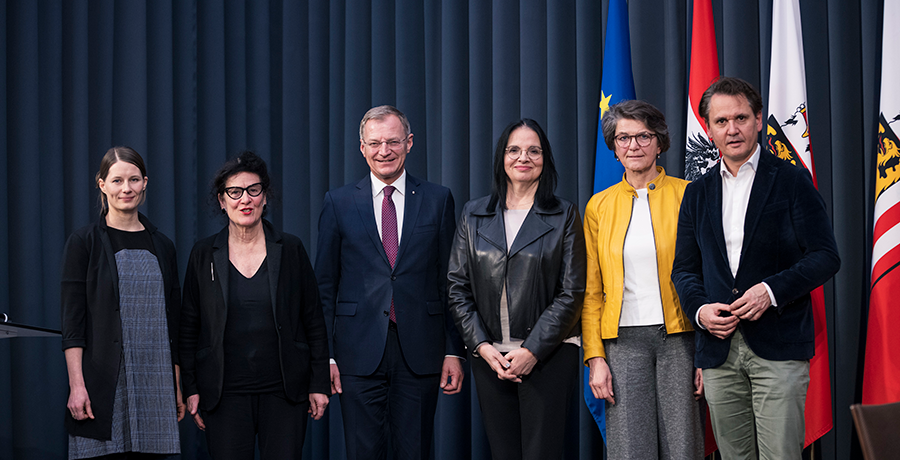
[[545, 272]]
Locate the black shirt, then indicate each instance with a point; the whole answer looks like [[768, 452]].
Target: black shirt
[[120, 239], [251, 342]]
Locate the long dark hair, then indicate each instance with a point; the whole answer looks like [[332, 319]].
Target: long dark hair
[[544, 196], [113, 156]]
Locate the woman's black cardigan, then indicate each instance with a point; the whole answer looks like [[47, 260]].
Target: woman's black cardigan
[[90, 315]]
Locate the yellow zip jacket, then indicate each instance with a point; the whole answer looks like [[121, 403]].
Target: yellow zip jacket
[[606, 220]]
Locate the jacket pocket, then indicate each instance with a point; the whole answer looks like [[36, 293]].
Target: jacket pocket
[[303, 354], [425, 228], [204, 372], [202, 354], [345, 309], [435, 307]]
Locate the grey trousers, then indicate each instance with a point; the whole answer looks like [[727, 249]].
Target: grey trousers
[[655, 415]]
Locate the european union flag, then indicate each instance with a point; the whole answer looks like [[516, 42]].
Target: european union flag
[[617, 85]]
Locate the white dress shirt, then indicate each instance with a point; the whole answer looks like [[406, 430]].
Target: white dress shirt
[[735, 198], [398, 197]]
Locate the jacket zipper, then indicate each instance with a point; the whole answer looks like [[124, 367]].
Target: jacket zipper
[[656, 250]]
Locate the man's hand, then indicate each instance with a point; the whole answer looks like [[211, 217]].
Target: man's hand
[[193, 406], [711, 317], [452, 375], [601, 379], [752, 304], [335, 379]]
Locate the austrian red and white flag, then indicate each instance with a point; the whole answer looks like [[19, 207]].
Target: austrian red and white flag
[[787, 137], [881, 375], [700, 153]]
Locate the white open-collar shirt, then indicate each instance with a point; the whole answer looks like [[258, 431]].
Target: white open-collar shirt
[[735, 199]]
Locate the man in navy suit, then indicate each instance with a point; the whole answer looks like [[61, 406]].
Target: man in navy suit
[[753, 240], [384, 244]]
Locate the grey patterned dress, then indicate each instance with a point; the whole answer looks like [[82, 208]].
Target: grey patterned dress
[[144, 418]]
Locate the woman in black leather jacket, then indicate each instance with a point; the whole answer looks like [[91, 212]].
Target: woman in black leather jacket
[[516, 284]]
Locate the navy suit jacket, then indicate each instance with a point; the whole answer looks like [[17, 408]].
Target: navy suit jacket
[[356, 281], [788, 244]]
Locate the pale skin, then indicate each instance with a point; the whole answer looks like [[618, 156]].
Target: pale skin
[[124, 187], [247, 251], [388, 165], [640, 169], [639, 162], [733, 127], [601, 380]]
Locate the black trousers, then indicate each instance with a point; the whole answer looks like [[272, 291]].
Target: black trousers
[[392, 403], [528, 420], [233, 426]]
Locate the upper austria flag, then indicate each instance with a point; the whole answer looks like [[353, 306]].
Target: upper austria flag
[[700, 153], [616, 85], [787, 137], [881, 375]]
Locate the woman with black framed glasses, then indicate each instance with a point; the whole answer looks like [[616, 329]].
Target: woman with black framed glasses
[[638, 342], [254, 351]]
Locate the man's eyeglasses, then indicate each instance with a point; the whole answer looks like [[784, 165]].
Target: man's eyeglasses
[[392, 144], [235, 193]]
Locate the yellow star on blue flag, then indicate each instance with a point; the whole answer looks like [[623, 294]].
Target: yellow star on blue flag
[[617, 85]]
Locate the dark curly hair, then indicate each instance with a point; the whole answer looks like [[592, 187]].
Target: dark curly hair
[[245, 161]]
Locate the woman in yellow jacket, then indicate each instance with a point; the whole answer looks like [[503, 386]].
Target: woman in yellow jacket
[[638, 342]]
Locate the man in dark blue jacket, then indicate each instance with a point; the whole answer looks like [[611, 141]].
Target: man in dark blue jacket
[[753, 240], [384, 245]]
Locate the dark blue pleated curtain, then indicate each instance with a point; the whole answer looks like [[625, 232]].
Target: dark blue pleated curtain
[[188, 83]]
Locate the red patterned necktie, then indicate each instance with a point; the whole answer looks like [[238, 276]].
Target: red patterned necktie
[[389, 234]]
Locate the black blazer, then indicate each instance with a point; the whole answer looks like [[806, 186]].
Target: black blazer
[[90, 316], [303, 350], [545, 271], [357, 282], [788, 244]]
